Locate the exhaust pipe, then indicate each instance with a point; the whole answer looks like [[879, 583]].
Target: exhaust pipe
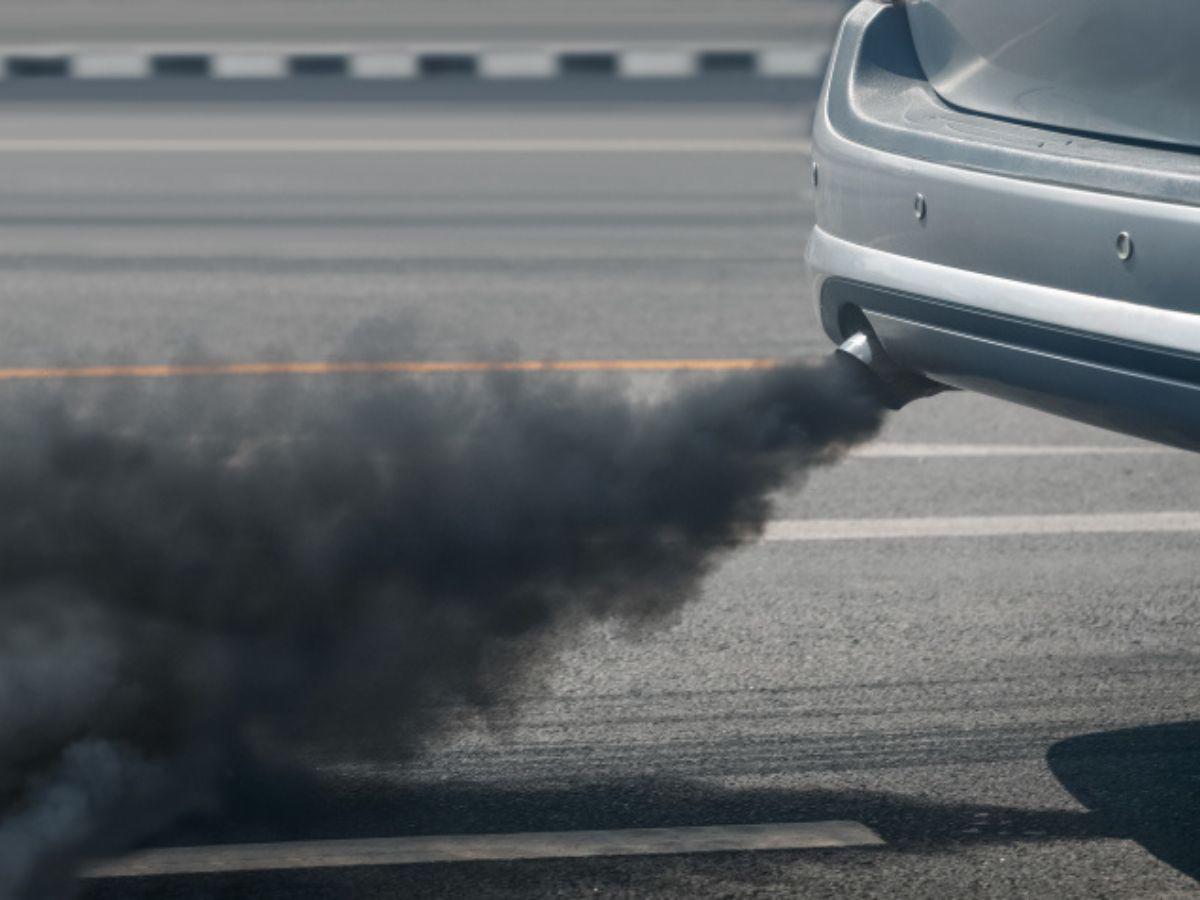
[[895, 387]]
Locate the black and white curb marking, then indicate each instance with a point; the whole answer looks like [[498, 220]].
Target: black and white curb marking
[[381, 63]]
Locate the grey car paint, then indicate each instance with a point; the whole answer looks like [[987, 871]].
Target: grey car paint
[[1114, 67], [1012, 281]]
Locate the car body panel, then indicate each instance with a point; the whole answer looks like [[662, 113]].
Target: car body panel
[[1119, 385], [1019, 224], [1112, 67]]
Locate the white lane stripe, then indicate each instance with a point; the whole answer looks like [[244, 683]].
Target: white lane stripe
[[401, 145], [383, 65], [803, 530], [518, 64], [784, 62], [249, 65], [466, 847], [113, 65], [885, 450], [657, 64]]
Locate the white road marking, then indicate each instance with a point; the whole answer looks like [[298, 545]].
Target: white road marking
[[110, 65], [658, 64], [802, 530], [885, 450], [518, 64], [389, 64], [401, 145], [804, 62], [465, 847], [249, 65]]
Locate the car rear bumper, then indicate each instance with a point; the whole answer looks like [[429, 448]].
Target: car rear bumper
[[1011, 281]]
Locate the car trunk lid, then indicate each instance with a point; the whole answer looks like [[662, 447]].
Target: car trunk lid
[[1107, 67]]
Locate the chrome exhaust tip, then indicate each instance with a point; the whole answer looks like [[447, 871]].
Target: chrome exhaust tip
[[895, 387]]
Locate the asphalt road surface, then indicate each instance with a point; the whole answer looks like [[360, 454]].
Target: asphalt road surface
[[528, 21], [1011, 707]]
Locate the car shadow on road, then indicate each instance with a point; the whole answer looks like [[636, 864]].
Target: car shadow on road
[[1140, 783], [291, 806]]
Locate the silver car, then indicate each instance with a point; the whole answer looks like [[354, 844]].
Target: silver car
[[1008, 201]]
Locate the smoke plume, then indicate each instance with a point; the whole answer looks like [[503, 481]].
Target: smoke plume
[[201, 572]]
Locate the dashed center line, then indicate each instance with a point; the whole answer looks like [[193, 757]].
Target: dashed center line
[[474, 847]]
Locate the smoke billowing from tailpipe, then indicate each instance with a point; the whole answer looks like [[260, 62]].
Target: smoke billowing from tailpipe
[[201, 573]]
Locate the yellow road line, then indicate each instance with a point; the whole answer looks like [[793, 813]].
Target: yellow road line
[[391, 367]]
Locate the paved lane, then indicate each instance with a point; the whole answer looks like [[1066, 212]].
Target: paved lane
[[481, 247], [183, 22], [1013, 713]]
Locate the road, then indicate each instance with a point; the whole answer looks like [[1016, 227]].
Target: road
[[181, 22], [1014, 714]]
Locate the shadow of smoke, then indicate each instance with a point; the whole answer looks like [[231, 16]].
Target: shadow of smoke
[[296, 806], [1140, 783]]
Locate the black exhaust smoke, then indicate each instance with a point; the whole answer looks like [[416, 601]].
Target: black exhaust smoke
[[199, 573]]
